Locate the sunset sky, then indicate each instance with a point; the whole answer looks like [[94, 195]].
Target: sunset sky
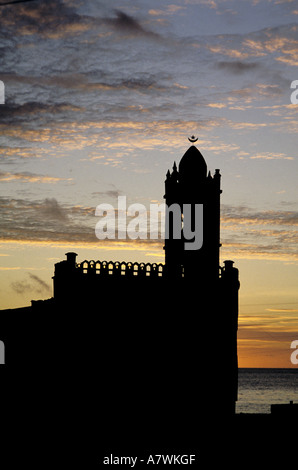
[[100, 98]]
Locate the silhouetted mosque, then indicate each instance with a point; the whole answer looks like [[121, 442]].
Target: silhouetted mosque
[[139, 358], [185, 311], [162, 337]]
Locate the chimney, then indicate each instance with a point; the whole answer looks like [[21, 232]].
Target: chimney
[[71, 258], [228, 265]]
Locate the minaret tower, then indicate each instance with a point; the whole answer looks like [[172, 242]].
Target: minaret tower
[[190, 184], [202, 293]]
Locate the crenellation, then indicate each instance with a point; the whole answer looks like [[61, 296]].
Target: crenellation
[[117, 268]]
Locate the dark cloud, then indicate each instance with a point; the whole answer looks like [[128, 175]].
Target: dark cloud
[[40, 285], [35, 284], [51, 209], [56, 19], [21, 287], [147, 82], [11, 112], [15, 1], [113, 193], [52, 18], [66, 90], [76, 81], [127, 24], [141, 83], [48, 220], [237, 66]]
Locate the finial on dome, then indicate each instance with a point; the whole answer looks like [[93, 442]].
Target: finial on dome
[[192, 139]]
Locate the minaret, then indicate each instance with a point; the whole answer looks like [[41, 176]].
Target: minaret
[[204, 295], [190, 184]]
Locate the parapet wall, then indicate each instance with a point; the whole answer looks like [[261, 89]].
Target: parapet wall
[[119, 269], [116, 269]]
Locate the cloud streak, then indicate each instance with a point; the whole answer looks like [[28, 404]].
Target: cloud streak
[[237, 67], [28, 177], [33, 284]]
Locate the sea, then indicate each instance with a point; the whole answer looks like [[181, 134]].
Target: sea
[[258, 389]]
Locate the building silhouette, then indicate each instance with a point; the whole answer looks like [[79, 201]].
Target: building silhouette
[[138, 359], [158, 342], [179, 317]]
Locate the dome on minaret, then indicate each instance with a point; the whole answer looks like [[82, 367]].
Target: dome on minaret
[[192, 164]]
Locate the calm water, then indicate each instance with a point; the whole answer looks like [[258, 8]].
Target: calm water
[[259, 388]]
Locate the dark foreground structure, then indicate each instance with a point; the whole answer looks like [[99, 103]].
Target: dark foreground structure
[[165, 321], [131, 358]]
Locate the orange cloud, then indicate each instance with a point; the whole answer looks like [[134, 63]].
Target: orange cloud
[[30, 178]]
